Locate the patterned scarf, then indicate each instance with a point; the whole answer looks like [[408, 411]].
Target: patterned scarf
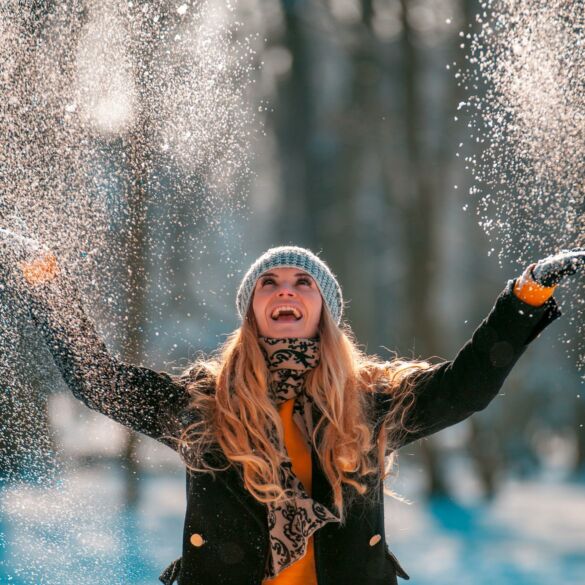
[[291, 523]]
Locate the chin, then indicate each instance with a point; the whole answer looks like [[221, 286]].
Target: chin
[[286, 333], [279, 332]]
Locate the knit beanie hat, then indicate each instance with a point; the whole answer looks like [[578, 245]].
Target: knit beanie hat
[[293, 257]]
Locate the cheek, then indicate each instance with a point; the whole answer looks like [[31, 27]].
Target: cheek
[[258, 305], [317, 307]]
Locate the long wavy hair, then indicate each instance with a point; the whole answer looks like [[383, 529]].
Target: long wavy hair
[[229, 396]]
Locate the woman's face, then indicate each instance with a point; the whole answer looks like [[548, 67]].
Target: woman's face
[[287, 303]]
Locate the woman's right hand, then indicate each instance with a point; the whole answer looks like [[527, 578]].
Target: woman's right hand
[[18, 245], [40, 270]]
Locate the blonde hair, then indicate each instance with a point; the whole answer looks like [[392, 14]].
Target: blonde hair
[[234, 413]]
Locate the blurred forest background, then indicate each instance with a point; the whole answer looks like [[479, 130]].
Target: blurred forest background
[[355, 152]]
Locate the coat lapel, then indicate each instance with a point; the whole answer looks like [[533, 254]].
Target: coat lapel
[[234, 483], [322, 492]]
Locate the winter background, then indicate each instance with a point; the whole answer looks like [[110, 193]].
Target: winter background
[[428, 149]]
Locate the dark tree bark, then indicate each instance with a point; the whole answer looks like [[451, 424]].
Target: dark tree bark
[[421, 244], [27, 375], [135, 233], [294, 128]]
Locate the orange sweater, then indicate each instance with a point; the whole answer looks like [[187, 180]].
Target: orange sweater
[[302, 572]]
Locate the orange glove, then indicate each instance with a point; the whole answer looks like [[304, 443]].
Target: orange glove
[[41, 269], [530, 291], [37, 264], [539, 280]]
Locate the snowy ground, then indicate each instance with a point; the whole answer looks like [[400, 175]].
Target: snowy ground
[[78, 532], [532, 534]]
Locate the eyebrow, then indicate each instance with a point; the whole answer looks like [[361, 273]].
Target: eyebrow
[[276, 276]]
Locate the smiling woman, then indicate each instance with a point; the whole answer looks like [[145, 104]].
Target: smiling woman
[[289, 431], [287, 303]]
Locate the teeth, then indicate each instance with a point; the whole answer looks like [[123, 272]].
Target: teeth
[[284, 308]]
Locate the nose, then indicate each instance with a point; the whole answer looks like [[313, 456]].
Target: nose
[[285, 290]]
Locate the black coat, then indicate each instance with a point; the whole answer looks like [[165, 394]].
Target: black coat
[[232, 524]]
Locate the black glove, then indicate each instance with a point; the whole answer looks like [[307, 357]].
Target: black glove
[[550, 271], [18, 247]]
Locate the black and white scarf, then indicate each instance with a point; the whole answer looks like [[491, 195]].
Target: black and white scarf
[[291, 523]]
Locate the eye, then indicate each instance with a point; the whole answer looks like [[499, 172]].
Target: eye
[[267, 280], [304, 280]]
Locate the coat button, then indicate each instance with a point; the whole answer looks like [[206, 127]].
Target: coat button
[[375, 540], [197, 540]]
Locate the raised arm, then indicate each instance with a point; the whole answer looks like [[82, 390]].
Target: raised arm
[[449, 392], [139, 398]]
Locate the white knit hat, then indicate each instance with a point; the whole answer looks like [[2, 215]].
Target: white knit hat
[[292, 257]]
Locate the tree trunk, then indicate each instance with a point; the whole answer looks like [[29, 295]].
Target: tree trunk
[[27, 374], [420, 237], [139, 155], [294, 128]]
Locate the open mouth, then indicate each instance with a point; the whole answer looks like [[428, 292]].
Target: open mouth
[[285, 313]]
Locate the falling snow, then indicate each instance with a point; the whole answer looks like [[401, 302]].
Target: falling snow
[[128, 128], [525, 76], [127, 122]]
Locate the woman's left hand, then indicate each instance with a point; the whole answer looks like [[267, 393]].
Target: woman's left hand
[[538, 282], [550, 271]]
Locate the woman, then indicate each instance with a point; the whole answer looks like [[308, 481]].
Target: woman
[[285, 431]]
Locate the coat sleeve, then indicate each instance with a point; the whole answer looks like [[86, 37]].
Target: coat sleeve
[[449, 392], [146, 401]]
